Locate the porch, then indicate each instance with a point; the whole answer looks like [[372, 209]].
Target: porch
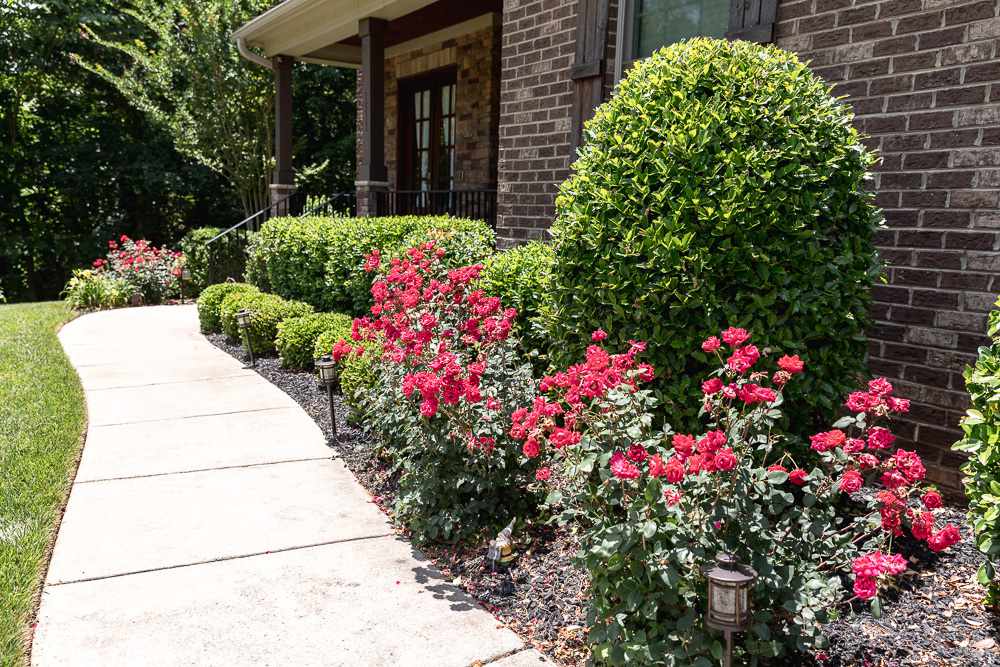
[[428, 101]]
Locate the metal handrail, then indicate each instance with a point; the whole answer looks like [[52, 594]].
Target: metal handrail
[[246, 220]]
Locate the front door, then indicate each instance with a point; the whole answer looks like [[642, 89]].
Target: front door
[[427, 132]]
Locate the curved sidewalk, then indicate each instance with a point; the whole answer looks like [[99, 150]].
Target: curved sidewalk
[[209, 525]]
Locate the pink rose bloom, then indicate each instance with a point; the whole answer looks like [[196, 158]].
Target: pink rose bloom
[[683, 444], [859, 401], [711, 344], [725, 459], [880, 438], [944, 538], [854, 445], [543, 474], [656, 467], [798, 477], [791, 364], [637, 453], [674, 470], [742, 359], [850, 482], [880, 387], [672, 496], [530, 448], [735, 337], [622, 468], [922, 525], [932, 499], [865, 587], [711, 386], [598, 335], [777, 467], [898, 405]]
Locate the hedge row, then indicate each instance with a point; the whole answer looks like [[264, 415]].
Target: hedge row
[[319, 260]]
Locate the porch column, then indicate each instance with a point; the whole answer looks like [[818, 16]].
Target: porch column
[[372, 180], [283, 179]]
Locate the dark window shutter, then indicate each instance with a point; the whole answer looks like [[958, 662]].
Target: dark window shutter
[[589, 66], [752, 20]]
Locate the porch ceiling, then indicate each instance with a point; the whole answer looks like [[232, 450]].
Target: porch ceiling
[[326, 30]]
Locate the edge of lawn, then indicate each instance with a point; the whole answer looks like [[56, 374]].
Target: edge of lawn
[[26, 633]]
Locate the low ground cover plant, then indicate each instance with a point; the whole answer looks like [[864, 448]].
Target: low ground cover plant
[[981, 443], [655, 506], [721, 184], [210, 304], [89, 289], [318, 259], [448, 377], [297, 337]]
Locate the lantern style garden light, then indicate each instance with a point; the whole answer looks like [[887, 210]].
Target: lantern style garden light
[[243, 321], [185, 278], [729, 583], [327, 369]]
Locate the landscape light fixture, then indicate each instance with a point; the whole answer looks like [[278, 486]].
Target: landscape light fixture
[[729, 583], [185, 278], [327, 369], [243, 321]]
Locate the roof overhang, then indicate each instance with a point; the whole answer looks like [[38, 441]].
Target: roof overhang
[[312, 29]]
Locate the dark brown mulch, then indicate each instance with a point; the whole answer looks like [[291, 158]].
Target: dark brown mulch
[[934, 618]]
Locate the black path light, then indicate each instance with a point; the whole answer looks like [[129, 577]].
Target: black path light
[[327, 369], [185, 278], [243, 320], [729, 583]]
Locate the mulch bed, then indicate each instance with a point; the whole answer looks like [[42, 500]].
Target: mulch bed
[[935, 617]]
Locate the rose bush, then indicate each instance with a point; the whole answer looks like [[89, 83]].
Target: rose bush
[[151, 271], [654, 507], [447, 377]]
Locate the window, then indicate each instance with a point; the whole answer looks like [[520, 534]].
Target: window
[[649, 24], [656, 23], [427, 132]]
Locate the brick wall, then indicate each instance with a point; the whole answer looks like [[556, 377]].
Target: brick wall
[[923, 77], [535, 99]]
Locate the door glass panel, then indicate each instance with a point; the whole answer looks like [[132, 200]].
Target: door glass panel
[[662, 22], [431, 166]]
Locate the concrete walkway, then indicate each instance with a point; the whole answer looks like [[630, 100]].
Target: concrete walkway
[[208, 525]]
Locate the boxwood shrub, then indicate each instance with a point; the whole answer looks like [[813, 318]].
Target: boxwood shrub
[[297, 336], [210, 303], [210, 264], [266, 312], [319, 259], [982, 444], [520, 277], [722, 185]]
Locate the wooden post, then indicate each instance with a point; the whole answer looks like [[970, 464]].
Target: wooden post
[[283, 179], [372, 174]]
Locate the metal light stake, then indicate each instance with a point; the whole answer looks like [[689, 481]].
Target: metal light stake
[[327, 369], [243, 320], [185, 278], [729, 583]]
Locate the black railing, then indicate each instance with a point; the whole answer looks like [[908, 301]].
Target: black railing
[[474, 204]]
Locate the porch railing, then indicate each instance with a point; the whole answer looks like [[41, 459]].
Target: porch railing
[[474, 204]]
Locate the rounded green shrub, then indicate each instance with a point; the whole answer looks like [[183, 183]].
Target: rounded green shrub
[[212, 263], [266, 312], [520, 277], [210, 303], [297, 336], [722, 185], [325, 340], [981, 473], [358, 383], [320, 260]]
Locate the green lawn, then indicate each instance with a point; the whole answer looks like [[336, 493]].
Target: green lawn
[[42, 417]]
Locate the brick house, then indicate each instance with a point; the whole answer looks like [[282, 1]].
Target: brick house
[[476, 107]]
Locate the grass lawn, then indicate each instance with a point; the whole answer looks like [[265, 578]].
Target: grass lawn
[[42, 417]]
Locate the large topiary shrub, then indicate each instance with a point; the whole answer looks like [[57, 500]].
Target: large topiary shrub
[[982, 443], [297, 336], [520, 277], [721, 184], [215, 262], [319, 260], [210, 303]]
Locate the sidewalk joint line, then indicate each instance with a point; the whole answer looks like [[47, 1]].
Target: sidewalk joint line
[[501, 656], [221, 559], [166, 382], [193, 470], [206, 414]]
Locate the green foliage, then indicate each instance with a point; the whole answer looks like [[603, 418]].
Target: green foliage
[[266, 312], [297, 336], [95, 290], [982, 444], [214, 263], [359, 383], [722, 184], [42, 421], [520, 277], [319, 260], [210, 303], [324, 342]]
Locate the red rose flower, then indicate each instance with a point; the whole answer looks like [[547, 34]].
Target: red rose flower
[[798, 476], [543, 474], [791, 364], [735, 337], [944, 538], [598, 335], [622, 468], [711, 344], [850, 482], [932, 499]]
